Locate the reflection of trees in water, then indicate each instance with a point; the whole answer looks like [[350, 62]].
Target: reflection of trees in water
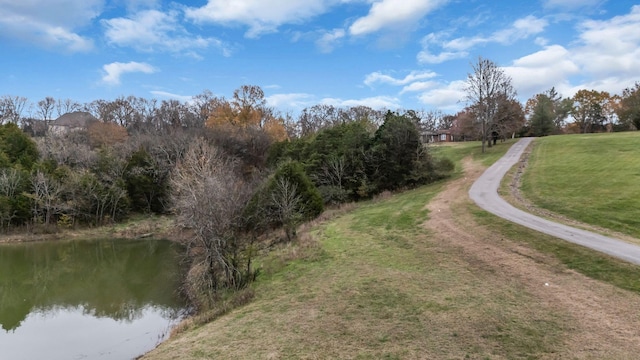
[[109, 278]]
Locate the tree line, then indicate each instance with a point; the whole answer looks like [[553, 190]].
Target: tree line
[[230, 170], [493, 112], [233, 170]]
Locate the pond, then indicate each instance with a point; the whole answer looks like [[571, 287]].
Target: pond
[[107, 299]]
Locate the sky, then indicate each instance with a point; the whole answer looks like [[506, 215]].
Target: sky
[[394, 54]]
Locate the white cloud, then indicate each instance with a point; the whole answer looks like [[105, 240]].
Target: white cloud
[[151, 30], [418, 86], [165, 94], [266, 16], [136, 5], [60, 37], [538, 72], [570, 4], [50, 24], [328, 40], [376, 102], [378, 77], [290, 101], [611, 48], [115, 70], [425, 57], [393, 14], [464, 43], [259, 15], [541, 41], [604, 57], [446, 97], [521, 29], [458, 48]]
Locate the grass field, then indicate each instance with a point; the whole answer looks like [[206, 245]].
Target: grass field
[[376, 283], [377, 289], [593, 178], [457, 151], [372, 284]]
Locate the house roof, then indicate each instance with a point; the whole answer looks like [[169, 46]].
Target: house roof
[[75, 119]]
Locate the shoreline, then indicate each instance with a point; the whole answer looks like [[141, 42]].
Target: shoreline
[[138, 227]]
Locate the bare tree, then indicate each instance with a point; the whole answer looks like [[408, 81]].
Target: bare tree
[[11, 108], [361, 112], [317, 117], [10, 180], [66, 106], [202, 105], [174, 114], [71, 149], [101, 109], [486, 86], [286, 202], [46, 196], [427, 120], [209, 198], [141, 113], [45, 108], [122, 111]]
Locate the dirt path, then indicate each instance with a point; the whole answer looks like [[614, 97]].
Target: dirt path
[[604, 321]]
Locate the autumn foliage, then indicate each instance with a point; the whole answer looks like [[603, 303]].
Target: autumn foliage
[[247, 110], [106, 134]]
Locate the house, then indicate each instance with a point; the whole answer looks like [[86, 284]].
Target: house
[[429, 137], [73, 121]]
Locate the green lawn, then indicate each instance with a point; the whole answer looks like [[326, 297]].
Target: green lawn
[[593, 178], [459, 150], [374, 283], [377, 286]]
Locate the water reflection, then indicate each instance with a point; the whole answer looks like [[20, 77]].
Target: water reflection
[[46, 288]]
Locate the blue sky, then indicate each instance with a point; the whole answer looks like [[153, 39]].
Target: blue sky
[[411, 54]]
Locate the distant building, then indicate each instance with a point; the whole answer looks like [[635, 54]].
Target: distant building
[[73, 121], [428, 137], [34, 127]]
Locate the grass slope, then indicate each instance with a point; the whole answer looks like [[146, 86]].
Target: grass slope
[[593, 178], [375, 283], [379, 289], [377, 286]]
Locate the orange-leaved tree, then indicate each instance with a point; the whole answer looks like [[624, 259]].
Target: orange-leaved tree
[[247, 110]]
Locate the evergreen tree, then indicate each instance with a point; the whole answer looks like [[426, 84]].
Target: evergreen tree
[[542, 119]]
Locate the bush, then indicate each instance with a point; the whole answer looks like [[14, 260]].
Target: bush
[[287, 199], [332, 194], [17, 146], [443, 167], [311, 204]]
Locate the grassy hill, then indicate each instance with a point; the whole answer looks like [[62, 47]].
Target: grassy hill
[[593, 178], [424, 274]]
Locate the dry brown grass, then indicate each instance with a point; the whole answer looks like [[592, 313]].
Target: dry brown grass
[[141, 226]]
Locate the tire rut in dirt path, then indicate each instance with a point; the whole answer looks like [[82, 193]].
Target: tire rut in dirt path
[[604, 319]]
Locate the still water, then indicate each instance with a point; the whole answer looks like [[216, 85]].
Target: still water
[[108, 299]]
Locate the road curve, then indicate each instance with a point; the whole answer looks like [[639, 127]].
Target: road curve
[[485, 194]]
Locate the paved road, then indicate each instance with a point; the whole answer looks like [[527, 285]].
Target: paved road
[[485, 194]]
